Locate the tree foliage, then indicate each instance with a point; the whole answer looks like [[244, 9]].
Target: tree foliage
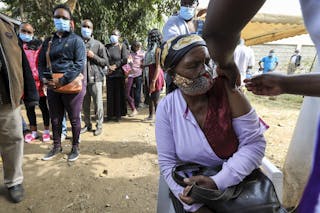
[[134, 18]]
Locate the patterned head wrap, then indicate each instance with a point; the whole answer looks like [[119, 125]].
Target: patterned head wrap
[[173, 50]]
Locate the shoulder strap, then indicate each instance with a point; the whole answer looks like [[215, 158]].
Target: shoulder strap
[[49, 67]]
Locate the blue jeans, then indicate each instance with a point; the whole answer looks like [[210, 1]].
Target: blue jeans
[[64, 125], [24, 124]]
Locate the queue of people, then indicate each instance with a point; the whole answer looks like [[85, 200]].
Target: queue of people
[[87, 57]]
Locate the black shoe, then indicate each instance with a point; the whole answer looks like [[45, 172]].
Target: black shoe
[[97, 132], [85, 129], [16, 193], [52, 153], [26, 131], [74, 154]]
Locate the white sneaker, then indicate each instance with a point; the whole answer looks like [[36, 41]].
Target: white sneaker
[[134, 112]]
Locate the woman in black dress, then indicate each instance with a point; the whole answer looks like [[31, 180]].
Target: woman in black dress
[[116, 98]]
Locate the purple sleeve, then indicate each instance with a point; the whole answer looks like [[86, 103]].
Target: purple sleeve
[[311, 16], [249, 131], [166, 152]]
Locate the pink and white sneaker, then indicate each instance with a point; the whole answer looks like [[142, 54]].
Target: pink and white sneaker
[[45, 137], [29, 138]]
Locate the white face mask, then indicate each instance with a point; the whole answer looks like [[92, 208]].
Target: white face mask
[[86, 32], [25, 37], [197, 86], [114, 39]]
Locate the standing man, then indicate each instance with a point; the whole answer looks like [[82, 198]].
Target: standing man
[[15, 81], [184, 22], [96, 60], [244, 59], [270, 62], [294, 62]]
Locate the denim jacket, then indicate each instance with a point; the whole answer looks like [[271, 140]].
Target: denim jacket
[[67, 55]]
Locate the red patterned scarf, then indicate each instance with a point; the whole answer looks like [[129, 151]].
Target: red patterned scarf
[[218, 127]]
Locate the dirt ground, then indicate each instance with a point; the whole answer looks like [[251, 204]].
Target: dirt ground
[[118, 170]]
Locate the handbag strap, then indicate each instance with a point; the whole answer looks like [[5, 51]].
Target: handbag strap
[[201, 194], [49, 67], [204, 195], [194, 169]]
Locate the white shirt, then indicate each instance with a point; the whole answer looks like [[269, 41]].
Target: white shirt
[[243, 57], [173, 27], [293, 59]]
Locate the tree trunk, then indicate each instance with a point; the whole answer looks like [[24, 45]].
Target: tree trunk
[[72, 4], [21, 10]]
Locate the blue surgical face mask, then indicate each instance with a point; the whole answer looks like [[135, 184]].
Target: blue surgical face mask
[[62, 25], [271, 54], [86, 32], [114, 39], [25, 37], [187, 13]]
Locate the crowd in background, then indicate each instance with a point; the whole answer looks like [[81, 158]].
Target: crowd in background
[[127, 70]]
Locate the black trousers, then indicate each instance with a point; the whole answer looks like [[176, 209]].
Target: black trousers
[[44, 110], [116, 97]]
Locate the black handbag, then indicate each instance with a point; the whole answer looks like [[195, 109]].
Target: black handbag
[[255, 194]]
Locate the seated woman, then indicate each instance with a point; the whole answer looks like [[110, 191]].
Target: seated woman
[[204, 121]]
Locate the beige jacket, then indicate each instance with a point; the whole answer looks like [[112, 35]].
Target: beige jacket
[[13, 60]]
